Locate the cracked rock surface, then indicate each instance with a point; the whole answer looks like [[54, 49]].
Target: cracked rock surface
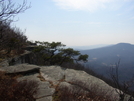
[[49, 77]]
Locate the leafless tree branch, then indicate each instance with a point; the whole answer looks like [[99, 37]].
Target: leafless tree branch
[[8, 9], [122, 88]]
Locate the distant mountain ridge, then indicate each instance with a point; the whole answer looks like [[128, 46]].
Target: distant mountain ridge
[[89, 47], [102, 58], [118, 50]]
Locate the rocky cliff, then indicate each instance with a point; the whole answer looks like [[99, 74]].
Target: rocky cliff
[[26, 57], [51, 77]]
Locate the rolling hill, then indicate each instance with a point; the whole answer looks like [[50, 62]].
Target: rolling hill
[[101, 59]]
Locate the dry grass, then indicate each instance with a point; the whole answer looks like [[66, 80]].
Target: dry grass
[[82, 92], [12, 90]]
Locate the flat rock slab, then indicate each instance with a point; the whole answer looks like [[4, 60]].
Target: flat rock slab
[[21, 68], [52, 73], [44, 93], [76, 77], [49, 98], [31, 77], [44, 85], [64, 86]]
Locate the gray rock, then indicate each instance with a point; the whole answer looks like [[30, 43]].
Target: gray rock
[[4, 63], [50, 77], [49, 98], [88, 81], [52, 73], [44, 93], [44, 85], [44, 90], [33, 77], [22, 58], [21, 68], [72, 88]]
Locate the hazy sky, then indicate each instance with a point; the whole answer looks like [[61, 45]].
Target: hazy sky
[[79, 22]]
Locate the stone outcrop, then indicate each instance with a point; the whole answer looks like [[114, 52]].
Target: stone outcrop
[[18, 59], [23, 68], [49, 77]]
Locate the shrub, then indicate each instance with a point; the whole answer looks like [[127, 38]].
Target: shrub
[[82, 92], [12, 40], [12, 90]]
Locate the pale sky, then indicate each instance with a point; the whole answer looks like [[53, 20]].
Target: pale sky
[[79, 22]]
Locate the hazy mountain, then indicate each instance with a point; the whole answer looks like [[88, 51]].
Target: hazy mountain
[[101, 59], [88, 47]]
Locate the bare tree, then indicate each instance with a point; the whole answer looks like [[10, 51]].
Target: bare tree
[[122, 88], [11, 38], [4, 28], [8, 9]]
